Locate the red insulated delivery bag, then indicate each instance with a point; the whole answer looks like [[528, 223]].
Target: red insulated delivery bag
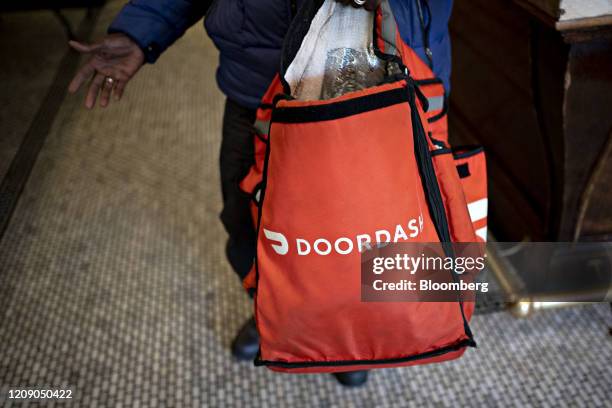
[[329, 176]]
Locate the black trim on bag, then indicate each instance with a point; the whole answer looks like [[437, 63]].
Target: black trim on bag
[[426, 168], [257, 189], [440, 151], [384, 56], [442, 113], [339, 363], [429, 81], [464, 170], [437, 142], [279, 97], [262, 185], [435, 81], [465, 152], [341, 109], [431, 188], [262, 195], [261, 137]]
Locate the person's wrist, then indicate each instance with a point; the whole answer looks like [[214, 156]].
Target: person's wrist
[[150, 51]]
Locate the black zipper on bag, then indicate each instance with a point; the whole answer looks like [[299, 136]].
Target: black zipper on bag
[[425, 164], [431, 187], [262, 186], [262, 195], [347, 363]]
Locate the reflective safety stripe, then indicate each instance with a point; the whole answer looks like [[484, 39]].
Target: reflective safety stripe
[[262, 126], [436, 103], [478, 209], [388, 28], [482, 233]]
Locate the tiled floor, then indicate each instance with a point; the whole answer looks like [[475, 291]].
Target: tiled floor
[[113, 280]]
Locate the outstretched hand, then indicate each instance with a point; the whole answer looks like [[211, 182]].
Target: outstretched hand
[[367, 4], [112, 63]]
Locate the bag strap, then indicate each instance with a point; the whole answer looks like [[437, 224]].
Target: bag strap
[[385, 30]]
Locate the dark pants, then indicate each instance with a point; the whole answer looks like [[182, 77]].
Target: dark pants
[[236, 158]]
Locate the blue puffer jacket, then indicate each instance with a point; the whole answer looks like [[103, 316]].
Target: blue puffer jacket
[[249, 35]]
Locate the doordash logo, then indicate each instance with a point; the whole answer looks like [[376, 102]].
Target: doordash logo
[[346, 245], [282, 245]]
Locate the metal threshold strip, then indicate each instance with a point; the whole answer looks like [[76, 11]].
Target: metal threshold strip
[[24, 160], [521, 305]]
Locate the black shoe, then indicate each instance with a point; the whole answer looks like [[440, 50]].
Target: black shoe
[[246, 342], [352, 378]]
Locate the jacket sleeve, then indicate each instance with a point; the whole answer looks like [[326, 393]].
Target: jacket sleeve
[[155, 24]]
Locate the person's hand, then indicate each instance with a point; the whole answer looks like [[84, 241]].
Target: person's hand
[[367, 4], [112, 63]]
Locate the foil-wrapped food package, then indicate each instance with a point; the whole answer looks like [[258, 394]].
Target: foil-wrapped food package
[[336, 55], [348, 70]]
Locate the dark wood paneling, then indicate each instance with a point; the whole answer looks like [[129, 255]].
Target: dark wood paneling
[[492, 100], [542, 107]]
